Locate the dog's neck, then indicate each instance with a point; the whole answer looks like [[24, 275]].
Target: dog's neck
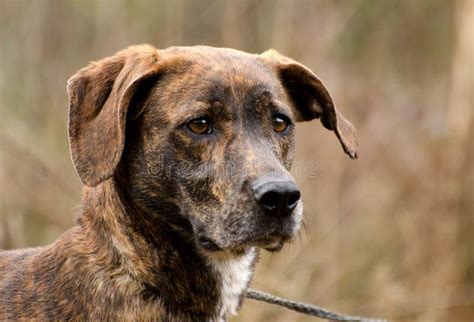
[[234, 274], [166, 263]]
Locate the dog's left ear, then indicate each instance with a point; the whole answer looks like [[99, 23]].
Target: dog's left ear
[[99, 99], [312, 99]]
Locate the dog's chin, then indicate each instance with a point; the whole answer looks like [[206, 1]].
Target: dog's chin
[[271, 243]]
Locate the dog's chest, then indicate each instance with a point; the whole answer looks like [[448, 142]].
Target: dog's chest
[[235, 274]]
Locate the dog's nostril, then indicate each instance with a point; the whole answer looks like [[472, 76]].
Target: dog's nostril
[[270, 200], [293, 199]]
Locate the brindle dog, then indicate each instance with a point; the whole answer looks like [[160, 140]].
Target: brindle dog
[[185, 155]]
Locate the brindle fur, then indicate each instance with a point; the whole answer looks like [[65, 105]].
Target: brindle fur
[[152, 188]]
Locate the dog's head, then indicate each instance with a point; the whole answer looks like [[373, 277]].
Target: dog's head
[[201, 138]]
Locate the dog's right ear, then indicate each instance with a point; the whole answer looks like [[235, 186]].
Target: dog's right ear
[[99, 98]]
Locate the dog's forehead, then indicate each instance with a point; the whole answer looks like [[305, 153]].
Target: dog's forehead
[[223, 64], [221, 75]]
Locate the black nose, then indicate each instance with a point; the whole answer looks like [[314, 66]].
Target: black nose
[[277, 197]]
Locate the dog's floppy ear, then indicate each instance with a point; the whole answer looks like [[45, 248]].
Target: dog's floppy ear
[[312, 99], [99, 97]]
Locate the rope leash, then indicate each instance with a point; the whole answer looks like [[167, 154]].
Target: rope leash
[[304, 308]]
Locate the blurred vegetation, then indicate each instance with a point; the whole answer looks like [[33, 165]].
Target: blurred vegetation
[[389, 235]]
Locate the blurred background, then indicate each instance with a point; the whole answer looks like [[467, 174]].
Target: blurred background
[[389, 235]]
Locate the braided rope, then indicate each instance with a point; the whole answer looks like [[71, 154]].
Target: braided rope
[[304, 308]]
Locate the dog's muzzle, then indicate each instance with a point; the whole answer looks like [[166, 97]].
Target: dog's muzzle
[[277, 204]]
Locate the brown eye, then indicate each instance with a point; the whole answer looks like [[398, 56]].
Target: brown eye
[[200, 126], [280, 124]]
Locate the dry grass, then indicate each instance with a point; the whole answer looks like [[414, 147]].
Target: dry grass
[[389, 235]]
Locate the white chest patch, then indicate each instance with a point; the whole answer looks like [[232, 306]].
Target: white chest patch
[[235, 273]]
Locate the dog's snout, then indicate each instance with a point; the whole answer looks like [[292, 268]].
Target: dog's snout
[[277, 197]]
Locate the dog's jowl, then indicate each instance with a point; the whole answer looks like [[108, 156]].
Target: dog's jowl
[[184, 154]]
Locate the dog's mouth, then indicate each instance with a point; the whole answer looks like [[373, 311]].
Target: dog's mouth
[[272, 242], [208, 244]]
